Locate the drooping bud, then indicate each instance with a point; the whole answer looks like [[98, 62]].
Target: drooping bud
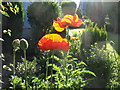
[[16, 44], [23, 44]]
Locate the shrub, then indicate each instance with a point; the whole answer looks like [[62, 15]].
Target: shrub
[[41, 16], [68, 7], [105, 64], [93, 34]]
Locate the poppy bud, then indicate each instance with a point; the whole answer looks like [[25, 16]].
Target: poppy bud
[[16, 44], [23, 44]]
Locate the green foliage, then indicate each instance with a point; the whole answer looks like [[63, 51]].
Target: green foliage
[[92, 34], [31, 68], [75, 48], [41, 16], [105, 64], [67, 73], [99, 59], [15, 20], [68, 7], [18, 81], [70, 73]]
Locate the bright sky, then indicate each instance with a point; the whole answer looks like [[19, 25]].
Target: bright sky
[[77, 2]]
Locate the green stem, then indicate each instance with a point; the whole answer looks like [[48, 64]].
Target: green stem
[[25, 69], [67, 34], [65, 67], [14, 52], [65, 57], [25, 54], [52, 56], [47, 62]]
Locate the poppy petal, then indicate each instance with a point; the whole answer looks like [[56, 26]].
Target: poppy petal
[[53, 41], [58, 26]]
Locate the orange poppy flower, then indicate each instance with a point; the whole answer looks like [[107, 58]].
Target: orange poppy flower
[[67, 20], [75, 38], [59, 25], [53, 41], [73, 20]]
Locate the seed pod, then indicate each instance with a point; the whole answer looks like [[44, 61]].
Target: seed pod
[[23, 44], [16, 43]]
